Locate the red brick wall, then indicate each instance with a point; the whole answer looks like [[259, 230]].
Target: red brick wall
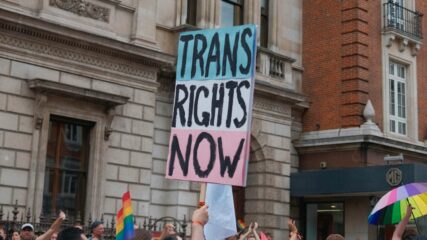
[[342, 61], [375, 61], [321, 62]]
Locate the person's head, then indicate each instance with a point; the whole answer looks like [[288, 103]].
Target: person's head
[[79, 226], [54, 236], [335, 237], [142, 234], [15, 236], [251, 236], [27, 231], [169, 229], [71, 233], [97, 228]]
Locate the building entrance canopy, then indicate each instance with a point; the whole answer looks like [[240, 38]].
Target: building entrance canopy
[[355, 181]]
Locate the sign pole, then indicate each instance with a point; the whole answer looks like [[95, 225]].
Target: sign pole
[[202, 194]]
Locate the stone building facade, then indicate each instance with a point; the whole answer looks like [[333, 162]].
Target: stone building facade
[[86, 93], [365, 76]]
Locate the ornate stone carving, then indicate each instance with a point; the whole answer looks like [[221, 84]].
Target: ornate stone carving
[[415, 49], [83, 8], [83, 57], [403, 44], [270, 106], [41, 100]]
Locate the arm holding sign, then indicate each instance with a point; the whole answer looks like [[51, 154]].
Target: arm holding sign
[[198, 221]]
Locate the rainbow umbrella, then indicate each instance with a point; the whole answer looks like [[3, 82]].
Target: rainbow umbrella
[[391, 208]]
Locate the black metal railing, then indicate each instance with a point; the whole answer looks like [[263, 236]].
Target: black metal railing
[[12, 221], [402, 20]]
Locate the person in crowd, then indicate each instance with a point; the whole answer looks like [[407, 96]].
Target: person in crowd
[[27, 229], [249, 233], [335, 237], [15, 236], [169, 231], [198, 221], [71, 233], [171, 237], [3, 235], [142, 234], [54, 236], [293, 230], [97, 230], [409, 234]]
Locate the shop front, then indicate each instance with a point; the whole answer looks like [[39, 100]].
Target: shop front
[[340, 200]]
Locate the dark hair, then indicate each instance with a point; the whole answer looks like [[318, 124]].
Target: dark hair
[[95, 224], [70, 233], [170, 238], [142, 234], [420, 238]]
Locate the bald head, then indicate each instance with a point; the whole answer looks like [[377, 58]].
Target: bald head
[[335, 237]]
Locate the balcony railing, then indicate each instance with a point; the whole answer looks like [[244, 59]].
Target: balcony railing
[[402, 21], [273, 65]]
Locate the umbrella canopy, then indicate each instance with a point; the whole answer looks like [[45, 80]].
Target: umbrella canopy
[[391, 208]]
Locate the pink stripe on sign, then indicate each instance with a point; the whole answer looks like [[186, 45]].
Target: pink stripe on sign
[[208, 156]]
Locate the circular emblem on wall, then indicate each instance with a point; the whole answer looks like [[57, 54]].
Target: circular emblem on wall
[[394, 176]]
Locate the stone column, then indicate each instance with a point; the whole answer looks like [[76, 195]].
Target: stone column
[[144, 24]]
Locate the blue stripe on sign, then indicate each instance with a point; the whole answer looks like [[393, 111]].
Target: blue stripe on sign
[[218, 54]]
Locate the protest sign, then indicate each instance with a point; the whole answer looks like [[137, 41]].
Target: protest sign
[[210, 135]]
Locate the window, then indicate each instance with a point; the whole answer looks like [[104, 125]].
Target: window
[[264, 23], [192, 12], [397, 98], [395, 14], [231, 13], [66, 166], [324, 219]]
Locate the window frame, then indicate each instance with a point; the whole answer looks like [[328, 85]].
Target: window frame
[[191, 18], [61, 171], [394, 55], [60, 106], [264, 30], [235, 3], [395, 100]]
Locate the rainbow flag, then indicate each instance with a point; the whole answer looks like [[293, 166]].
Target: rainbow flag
[[241, 224], [124, 227]]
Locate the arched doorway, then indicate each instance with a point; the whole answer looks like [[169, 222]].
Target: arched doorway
[[239, 193]]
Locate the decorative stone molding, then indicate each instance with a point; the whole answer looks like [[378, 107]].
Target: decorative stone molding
[[370, 127], [403, 44], [41, 100], [42, 43], [390, 38], [44, 87], [271, 106], [415, 49], [369, 112], [111, 112], [83, 8], [78, 56]]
